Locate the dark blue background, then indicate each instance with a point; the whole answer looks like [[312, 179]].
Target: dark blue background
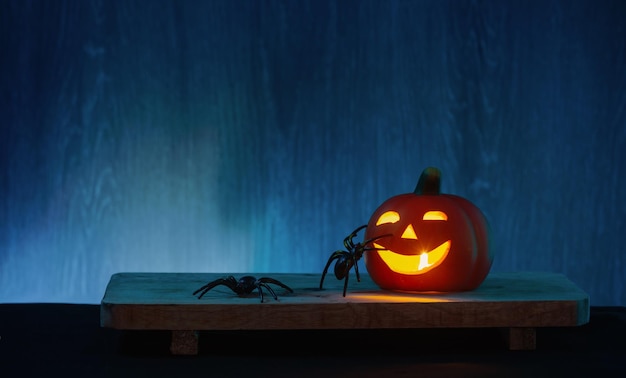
[[253, 136]]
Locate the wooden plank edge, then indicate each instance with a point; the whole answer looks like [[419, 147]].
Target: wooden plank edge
[[346, 316]]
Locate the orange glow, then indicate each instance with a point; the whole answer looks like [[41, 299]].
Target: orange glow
[[388, 217], [414, 264], [399, 297], [435, 215], [409, 233]]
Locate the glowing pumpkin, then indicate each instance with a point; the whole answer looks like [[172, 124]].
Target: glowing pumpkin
[[436, 242]]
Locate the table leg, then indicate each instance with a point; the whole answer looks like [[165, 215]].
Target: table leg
[[521, 338], [184, 343]]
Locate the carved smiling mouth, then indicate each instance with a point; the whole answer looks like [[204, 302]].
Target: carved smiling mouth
[[414, 264]]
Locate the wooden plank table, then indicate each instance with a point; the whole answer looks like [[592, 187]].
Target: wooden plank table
[[516, 302]]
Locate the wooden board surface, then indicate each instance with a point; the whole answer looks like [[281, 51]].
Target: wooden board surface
[[165, 301]]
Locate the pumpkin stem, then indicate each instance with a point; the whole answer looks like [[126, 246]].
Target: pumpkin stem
[[429, 182]]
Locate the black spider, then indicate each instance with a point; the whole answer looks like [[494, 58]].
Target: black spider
[[349, 258], [245, 285]]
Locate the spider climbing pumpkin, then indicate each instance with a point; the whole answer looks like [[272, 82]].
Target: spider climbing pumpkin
[[440, 242]]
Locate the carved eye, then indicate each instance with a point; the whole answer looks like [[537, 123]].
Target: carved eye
[[388, 217], [435, 215]]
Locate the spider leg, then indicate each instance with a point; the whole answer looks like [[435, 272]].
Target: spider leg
[[269, 289], [356, 270], [347, 242], [362, 248], [260, 292], [346, 273], [275, 282], [204, 289], [373, 249], [332, 257], [374, 239], [366, 249], [345, 285]]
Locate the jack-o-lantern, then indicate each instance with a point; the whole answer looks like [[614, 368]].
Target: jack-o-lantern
[[434, 242]]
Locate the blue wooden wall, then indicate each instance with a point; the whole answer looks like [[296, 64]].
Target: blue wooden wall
[[253, 136]]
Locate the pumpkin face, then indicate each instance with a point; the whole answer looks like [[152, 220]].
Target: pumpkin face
[[434, 242]]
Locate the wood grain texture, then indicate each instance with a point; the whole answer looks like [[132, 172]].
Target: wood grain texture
[[165, 301], [230, 136]]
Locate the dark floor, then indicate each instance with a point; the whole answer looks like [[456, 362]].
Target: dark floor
[[45, 340]]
